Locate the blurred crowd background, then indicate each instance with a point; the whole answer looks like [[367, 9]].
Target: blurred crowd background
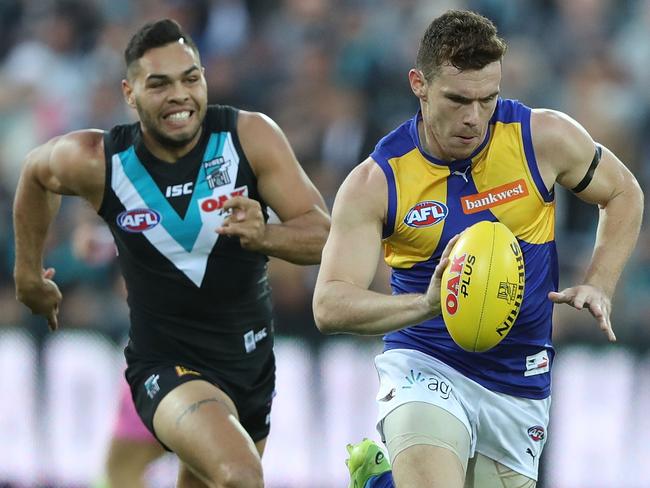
[[333, 74]]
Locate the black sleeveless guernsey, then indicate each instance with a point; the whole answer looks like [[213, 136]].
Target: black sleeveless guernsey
[[195, 297]]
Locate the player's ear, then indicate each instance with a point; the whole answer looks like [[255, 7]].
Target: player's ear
[[127, 92], [418, 84]]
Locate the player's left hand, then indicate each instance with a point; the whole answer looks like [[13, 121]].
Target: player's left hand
[[245, 221], [593, 299]]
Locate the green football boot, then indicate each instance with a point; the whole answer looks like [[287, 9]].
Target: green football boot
[[366, 459]]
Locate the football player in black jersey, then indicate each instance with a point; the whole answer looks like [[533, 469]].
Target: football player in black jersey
[[185, 192]]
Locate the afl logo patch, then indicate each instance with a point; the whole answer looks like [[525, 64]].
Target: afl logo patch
[[537, 433], [426, 214], [138, 220]]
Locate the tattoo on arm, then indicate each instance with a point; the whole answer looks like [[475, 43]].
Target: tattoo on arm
[[195, 406]]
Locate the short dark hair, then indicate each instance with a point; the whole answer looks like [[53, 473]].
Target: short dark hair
[[464, 39], [155, 34]]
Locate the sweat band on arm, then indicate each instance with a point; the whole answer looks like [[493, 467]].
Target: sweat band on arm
[[590, 172]]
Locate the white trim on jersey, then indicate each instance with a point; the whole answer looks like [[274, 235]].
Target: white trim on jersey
[[194, 263]]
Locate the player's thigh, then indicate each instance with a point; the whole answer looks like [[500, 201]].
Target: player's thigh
[[199, 423], [427, 445], [483, 472]]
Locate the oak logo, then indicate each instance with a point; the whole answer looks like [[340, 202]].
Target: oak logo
[[496, 196], [457, 264], [215, 202]]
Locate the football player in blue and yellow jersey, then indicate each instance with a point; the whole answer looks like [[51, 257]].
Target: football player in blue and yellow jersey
[[448, 417]]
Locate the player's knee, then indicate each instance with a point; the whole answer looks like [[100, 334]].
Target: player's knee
[[240, 475]]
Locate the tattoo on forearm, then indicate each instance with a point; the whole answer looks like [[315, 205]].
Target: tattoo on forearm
[[195, 406]]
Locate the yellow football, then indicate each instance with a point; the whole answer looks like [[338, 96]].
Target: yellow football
[[483, 286]]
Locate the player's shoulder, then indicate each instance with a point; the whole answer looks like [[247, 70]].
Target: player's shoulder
[[257, 123], [552, 124], [365, 187], [557, 135], [367, 174], [83, 148], [399, 141], [81, 145], [87, 139], [72, 164], [262, 140]]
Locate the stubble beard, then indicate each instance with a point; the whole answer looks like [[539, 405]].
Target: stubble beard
[[170, 142], [151, 128]]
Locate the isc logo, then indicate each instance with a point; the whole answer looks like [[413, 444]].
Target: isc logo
[[426, 214], [178, 190], [138, 220]]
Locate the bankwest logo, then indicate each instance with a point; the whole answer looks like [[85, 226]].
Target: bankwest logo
[[496, 196]]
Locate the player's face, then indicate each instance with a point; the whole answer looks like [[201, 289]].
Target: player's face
[[168, 89], [457, 107]]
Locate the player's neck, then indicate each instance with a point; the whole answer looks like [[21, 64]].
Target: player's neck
[[168, 153], [429, 143]]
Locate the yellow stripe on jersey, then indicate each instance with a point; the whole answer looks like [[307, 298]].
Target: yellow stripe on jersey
[[503, 165], [417, 180]]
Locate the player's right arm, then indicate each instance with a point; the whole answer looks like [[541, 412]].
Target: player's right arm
[[72, 164], [342, 301]]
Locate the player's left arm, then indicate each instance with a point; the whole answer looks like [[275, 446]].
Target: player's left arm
[[567, 154], [284, 185]]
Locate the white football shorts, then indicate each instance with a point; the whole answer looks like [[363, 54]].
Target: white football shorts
[[508, 429]]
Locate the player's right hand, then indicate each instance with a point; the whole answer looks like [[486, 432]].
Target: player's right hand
[[42, 297]]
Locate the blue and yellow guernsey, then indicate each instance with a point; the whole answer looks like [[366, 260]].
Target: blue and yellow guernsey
[[429, 201]]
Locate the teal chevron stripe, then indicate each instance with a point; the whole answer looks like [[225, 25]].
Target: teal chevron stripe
[[183, 230], [144, 184]]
